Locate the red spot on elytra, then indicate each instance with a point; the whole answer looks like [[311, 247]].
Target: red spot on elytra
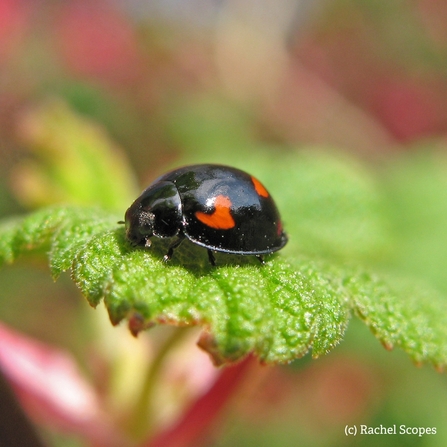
[[221, 218], [259, 187], [279, 228]]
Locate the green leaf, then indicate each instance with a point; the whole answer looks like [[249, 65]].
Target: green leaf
[[8, 230], [407, 315], [279, 311]]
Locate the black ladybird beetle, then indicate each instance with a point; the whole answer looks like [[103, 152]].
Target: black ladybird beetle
[[218, 207]]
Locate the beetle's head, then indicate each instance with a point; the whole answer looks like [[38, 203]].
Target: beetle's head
[[139, 225]]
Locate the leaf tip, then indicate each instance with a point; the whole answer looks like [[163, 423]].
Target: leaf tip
[[387, 345], [55, 273], [208, 343], [137, 323], [117, 314]]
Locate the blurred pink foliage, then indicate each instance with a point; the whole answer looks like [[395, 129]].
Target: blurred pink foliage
[[55, 393], [14, 18], [403, 88], [52, 389], [409, 108], [96, 41]]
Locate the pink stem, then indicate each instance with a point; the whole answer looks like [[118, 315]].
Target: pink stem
[[191, 428]]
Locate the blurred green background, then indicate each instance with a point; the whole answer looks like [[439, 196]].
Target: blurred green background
[[177, 81]]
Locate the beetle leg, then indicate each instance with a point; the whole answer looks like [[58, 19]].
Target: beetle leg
[[211, 258], [260, 258], [171, 248]]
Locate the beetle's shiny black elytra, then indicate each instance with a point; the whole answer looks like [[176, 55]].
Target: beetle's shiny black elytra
[[217, 207]]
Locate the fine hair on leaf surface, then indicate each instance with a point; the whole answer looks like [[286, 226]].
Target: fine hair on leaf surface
[[278, 311]]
